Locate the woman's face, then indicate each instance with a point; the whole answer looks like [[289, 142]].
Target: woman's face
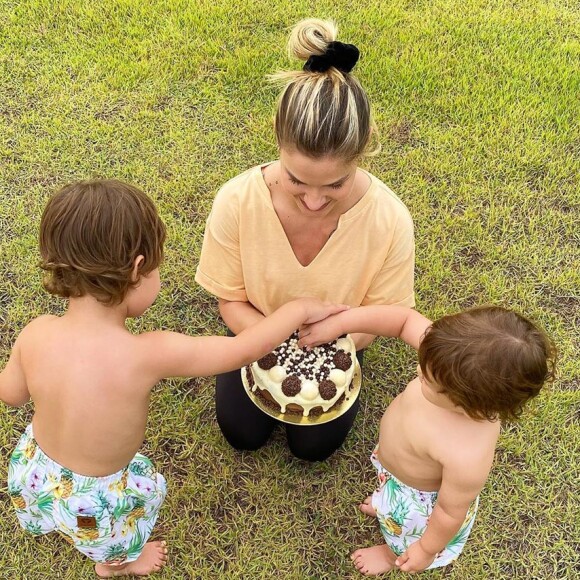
[[320, 186]]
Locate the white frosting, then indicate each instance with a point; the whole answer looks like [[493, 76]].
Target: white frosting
[[309, 390], [309, 396], [338, 377], [277, 373]]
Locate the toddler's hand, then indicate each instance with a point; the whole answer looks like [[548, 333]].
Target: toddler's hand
[[414, 559], [320, 333], [317, 310]]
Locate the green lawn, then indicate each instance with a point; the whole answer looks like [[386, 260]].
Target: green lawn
[[477, 104]]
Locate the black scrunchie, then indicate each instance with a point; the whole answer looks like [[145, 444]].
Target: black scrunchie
[[338, 54]]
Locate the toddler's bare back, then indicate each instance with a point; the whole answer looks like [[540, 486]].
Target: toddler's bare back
[[90, 394], [417, 438]]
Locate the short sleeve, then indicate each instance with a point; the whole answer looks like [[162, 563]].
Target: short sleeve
[[220, 266], [394, 282]]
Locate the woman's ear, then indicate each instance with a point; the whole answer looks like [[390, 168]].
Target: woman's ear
[[136, 265]]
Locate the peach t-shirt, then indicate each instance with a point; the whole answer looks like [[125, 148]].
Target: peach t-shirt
[[246, 256]]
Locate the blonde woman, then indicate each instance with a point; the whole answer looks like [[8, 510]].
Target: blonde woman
[[312, 223]]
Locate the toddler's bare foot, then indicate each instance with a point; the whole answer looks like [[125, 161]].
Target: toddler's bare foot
[[366, 507], [375, 560], [152, 559]]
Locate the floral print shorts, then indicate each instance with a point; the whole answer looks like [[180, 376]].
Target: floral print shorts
[[109, 519], [403, 513]]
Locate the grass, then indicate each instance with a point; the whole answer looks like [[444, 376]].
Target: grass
[[477, 104]]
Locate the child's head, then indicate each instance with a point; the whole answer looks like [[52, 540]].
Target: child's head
[[489, 361], [91, 236]]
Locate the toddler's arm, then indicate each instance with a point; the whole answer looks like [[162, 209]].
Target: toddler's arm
[[380, 320], [13, 388], [175, 355], [462, 481]]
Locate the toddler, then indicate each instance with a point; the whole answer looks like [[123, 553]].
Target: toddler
[[437, 438], [76, 468]]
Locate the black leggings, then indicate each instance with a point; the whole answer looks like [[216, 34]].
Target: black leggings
[[248, 428]]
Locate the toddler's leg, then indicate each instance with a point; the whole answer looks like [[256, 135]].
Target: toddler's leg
[[144, 492], [366, 507], [152, 559], [375, 560]]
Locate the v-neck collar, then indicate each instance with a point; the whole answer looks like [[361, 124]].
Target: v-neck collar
[[359, 206]]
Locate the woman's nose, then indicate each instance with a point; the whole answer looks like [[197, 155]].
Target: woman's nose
[[314, 201]]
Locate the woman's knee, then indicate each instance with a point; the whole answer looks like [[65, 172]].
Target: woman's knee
[[318, 443], [311, 446], [244, 426], [311, 454], [244, 436]]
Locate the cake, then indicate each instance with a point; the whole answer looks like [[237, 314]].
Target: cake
[[307, 382]]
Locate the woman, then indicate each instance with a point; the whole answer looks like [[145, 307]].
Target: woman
[[310, 224]]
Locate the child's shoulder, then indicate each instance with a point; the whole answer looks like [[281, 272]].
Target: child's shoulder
[[164, 353], [470, 444], [36, 326], [158, 343], [154, 346], [466, 465]]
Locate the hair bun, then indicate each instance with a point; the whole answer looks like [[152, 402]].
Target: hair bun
[[311, 37], [338, 54]]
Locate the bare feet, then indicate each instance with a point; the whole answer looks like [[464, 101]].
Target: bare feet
[[375, 560], [366, 507], [152, 559]]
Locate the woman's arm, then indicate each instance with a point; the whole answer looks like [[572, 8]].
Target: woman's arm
[[393, 284], [238, 315]]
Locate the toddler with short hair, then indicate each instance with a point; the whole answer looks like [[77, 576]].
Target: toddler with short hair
[[76, 468], [437, 438]]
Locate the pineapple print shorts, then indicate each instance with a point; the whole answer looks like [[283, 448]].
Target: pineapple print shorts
[[403, 513], [109, 519]]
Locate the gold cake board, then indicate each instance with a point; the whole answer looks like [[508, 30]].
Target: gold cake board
[[299, 419]]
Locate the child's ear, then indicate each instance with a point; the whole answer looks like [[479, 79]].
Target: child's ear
[[136, 265]]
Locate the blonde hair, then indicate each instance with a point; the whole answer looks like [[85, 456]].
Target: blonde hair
[[322, 113]]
